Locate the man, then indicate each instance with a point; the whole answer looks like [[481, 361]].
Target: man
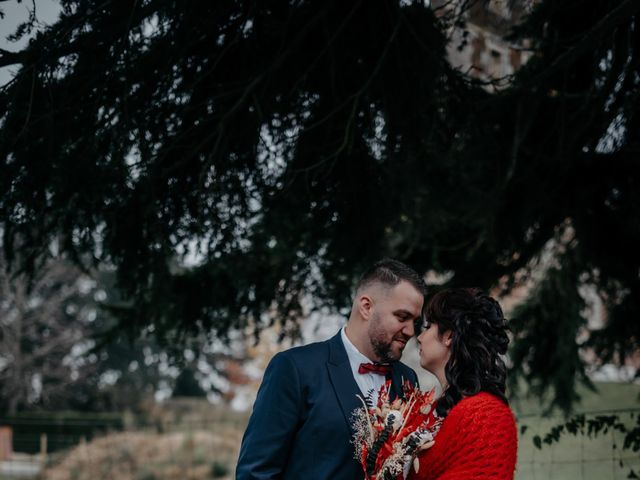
[[300, 426]]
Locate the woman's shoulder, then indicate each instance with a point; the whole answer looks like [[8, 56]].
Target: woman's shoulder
[[476, 410], [482, 401]]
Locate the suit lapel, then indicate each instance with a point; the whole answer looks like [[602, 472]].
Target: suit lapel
[[396, 381], [344, 385]]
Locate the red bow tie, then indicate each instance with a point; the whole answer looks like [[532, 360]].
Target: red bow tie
[[377, 368]]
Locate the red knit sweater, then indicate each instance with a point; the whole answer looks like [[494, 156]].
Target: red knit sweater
[[478, 439]]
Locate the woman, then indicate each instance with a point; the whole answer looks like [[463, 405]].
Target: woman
[[463, 336]]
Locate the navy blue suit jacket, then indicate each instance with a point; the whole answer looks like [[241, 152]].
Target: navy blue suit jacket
[[300, 426]]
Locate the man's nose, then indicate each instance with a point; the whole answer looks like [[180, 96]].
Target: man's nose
[[408, 329]]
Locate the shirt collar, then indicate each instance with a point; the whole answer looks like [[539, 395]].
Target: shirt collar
[[355, 357]]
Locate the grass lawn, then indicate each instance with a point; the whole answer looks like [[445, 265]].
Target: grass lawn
[[581, 456]]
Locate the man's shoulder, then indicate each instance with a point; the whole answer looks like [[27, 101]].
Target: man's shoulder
[[311, 351]]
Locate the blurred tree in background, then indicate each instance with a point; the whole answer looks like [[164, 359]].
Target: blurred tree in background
[[53, 354], [228, 157], [59, 349], [40, 324]]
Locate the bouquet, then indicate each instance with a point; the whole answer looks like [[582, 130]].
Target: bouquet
[[388, 436]]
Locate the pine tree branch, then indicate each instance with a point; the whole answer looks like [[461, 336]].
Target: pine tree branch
[[589, 41]]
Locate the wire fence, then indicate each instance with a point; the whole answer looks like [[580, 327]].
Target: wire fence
[[191, 440], [595, 455], [61, 430]]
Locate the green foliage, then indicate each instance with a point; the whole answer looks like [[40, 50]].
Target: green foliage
[[592, 427], [545, 352], [241, 126], [293, 143]]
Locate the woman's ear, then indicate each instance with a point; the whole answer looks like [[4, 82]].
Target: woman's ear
[[447, 338]]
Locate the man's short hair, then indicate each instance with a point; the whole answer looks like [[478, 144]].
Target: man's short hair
[[390, 273]]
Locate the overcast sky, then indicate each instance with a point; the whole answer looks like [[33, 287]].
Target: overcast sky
[[14, 14]]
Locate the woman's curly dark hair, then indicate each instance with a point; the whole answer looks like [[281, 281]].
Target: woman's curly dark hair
[[479, 337]]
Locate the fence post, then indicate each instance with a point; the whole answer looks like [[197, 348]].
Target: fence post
[[43, 449], [6, 442]]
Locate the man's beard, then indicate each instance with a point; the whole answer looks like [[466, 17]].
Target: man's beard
[[381, 343], [383, 350]]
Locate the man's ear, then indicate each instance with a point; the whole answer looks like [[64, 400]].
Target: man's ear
[[365, 306]]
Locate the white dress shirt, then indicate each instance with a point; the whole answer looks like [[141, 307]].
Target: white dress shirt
[[366, 381]]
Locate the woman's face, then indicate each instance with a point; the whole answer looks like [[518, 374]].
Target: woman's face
[[435, 349]]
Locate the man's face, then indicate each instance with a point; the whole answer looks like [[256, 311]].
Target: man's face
[[393, 314]]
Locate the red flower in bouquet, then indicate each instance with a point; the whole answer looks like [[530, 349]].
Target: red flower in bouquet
[[389, 435]]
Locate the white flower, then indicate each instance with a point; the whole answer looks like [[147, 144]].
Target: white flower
[[396, 418]]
